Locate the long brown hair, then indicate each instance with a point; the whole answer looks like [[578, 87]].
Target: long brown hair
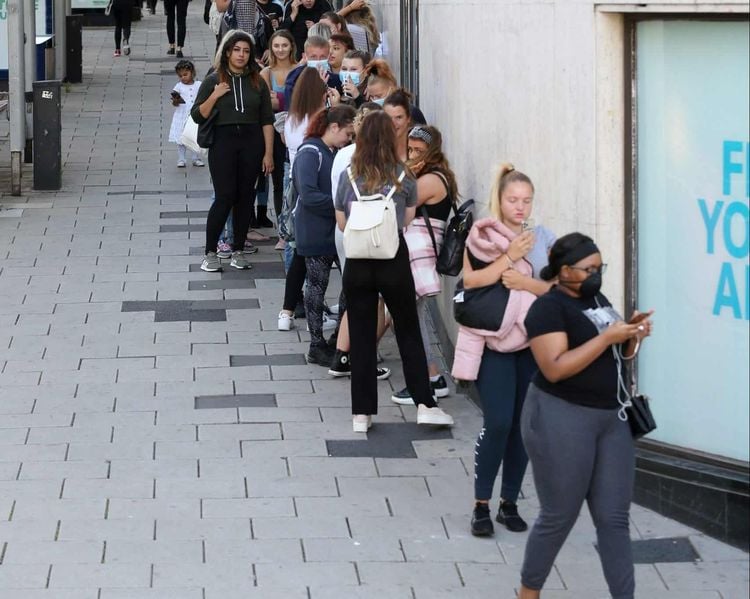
[[307, 98], [221, 61], [272, 60], [337, 20], [364, 17], [433, 160], [375, 158]]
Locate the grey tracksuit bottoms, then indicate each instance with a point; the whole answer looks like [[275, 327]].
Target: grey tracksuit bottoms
[[579, 454]]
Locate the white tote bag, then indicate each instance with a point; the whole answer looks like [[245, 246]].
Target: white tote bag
[[189, 137], [371, 230]]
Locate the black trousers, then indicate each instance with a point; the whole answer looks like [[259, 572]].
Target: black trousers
[[178, 7], [123, 14], [277, 176], [295, 281], [235, 160], [363, 281]]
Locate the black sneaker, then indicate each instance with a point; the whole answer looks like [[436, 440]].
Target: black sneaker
[[508, 515], [402, 398], [179, 54], [481, 521], [440, 387], [171, 51], [340, 365], [320, 355]]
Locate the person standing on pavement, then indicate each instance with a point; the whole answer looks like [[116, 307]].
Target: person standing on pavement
[[502, 249], [329, 129], [176, 10], [574, 421], [300, 16], [237, 98], [437, 193], [377, 169], [122, 12], [183, 96]]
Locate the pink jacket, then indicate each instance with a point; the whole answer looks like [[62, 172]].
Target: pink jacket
[[487, 240]]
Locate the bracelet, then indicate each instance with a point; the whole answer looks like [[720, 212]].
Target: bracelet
[[511, 264]]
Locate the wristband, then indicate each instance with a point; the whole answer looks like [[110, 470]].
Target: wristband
[[511, 265]]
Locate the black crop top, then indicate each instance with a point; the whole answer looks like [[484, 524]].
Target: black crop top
[[441, 210]]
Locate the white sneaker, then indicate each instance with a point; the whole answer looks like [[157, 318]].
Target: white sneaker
[[427, 415], [286, 321], [198, 162], [126, 47], [361, 423], [329, 323], [334, 309], [181, 164]]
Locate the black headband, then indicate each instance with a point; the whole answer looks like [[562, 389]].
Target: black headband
[[579, 252]]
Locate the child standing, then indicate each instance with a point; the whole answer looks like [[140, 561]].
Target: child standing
[[183, 96]]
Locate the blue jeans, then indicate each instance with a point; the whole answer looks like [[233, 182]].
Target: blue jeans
[[226, 235]]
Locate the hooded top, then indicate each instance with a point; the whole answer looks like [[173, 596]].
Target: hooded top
[[487, 240], [243, 105]]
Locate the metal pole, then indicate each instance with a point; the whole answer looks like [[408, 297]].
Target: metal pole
[[29, 26], [16, 88], [60, 45]]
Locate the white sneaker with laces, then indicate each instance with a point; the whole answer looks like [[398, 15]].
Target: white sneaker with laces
[[286, 321], [361, 423], [181, 164], [198, 162], [435, 415]]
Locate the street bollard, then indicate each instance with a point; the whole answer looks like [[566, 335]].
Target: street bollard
[[47, 134], [74, 41]]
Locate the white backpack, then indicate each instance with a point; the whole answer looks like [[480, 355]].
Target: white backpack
[[371, 230]]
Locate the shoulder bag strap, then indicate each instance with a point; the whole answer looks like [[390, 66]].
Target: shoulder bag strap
[[353, 182], [393, 189], [423, 212]]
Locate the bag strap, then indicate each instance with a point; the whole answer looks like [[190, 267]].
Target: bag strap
[[354, 183], [423, 212], [393, 189]]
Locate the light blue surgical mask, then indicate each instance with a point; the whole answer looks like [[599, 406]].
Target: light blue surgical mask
[[380, 101], [352, 76], [319, 64]]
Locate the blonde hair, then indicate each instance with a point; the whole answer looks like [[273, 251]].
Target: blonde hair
[[506, 174]]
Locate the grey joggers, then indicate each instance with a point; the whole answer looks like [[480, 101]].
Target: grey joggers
[[579, 454]]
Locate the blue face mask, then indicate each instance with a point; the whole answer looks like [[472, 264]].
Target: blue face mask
[[352, 76], [380, 101], [319, 64]]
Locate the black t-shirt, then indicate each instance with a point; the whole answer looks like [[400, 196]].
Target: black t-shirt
[[555, 311]]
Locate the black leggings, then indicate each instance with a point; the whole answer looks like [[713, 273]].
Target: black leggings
[[318, 273], [170, 8], [234, 161], [123, 15], [277, 177], [363, 281], [295, 281]]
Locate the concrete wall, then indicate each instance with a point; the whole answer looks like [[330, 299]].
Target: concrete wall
[[541, 84]]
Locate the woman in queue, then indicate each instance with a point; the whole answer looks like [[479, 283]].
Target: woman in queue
[[574, 421], [502, 249], [329, 129], [437, 193], [243, 141], [377, 169]]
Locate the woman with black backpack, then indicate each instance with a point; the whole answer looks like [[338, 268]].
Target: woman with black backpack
[[376, 171]]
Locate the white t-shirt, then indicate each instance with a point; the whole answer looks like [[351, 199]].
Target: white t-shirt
[[342, 159], [294, 135]]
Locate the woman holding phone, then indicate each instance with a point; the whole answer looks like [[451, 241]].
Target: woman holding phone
[[499, 249], [574, 423]]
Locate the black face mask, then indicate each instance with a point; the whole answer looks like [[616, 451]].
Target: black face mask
[[591, 285]]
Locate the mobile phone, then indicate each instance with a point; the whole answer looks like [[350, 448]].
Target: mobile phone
[[640, 317], [175, 94], [527, 224]]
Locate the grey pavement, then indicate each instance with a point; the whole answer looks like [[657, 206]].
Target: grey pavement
[[161, 439]]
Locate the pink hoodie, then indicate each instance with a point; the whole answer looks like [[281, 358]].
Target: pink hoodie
[[487, 240]]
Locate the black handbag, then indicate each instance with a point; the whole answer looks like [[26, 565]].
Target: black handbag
[[450, 260], [480, 307], [640, 418], [206, 132]]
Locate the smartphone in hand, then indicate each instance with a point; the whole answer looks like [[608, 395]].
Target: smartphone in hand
[[177, 97]]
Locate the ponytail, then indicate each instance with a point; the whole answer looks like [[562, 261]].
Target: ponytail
[[506, 174], [341, 115]]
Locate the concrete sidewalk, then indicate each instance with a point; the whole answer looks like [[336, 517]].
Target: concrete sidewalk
[[162, 440]]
